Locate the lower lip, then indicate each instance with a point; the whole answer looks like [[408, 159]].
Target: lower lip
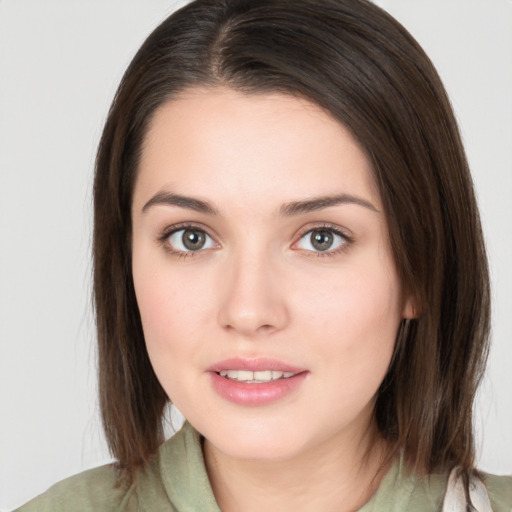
[[263, 393]]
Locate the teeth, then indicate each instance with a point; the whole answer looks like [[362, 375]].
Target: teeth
[[255, 377], [262, 376]]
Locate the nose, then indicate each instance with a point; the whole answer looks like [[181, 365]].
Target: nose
[[253, 298]]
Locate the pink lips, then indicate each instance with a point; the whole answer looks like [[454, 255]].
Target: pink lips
[[253, 365], [254, 394]]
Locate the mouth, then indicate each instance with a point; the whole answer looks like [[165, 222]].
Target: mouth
[[255, 382], [258, 377]]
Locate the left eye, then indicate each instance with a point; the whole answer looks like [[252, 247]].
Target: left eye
[[321, 240], [190, 240]]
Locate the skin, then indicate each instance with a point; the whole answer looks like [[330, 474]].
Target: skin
[[259, 288]]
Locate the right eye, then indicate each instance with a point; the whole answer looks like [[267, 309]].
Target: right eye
[[322, 240], [189, 240]]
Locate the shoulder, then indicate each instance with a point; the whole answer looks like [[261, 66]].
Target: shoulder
[[175, 479], [403, 490], [92, 490], [500, 492], [432, 490]]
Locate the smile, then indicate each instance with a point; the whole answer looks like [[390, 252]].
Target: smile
[[255, 382], [259, 377]]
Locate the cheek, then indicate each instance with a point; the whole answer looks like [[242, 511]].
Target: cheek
[[167, 306], [354, 302], [355, 319], [174, 308], [359, 321], [168, 318]]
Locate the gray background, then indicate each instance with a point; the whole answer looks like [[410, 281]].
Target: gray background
[[60, 62]]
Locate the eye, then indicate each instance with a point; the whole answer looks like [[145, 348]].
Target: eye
[[189, 240], [322, 240]]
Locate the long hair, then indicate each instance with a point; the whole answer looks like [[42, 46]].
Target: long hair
[[364, 69]]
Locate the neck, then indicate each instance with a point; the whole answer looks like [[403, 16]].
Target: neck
[[334, 476]]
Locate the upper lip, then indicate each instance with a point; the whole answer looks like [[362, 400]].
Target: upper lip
[[253, 365]]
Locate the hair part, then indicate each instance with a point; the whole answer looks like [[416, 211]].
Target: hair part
[[361, 66]]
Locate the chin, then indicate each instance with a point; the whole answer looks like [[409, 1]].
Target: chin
[[256, 440]]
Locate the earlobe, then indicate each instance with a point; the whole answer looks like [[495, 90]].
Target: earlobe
[[410, 310]]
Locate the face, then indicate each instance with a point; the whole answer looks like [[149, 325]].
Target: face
[[263, 273]]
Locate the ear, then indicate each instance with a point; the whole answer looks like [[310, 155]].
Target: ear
[[410, 309]]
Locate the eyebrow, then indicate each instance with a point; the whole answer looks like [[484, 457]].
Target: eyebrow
[[287, 210], [189, 203], [319, 203]]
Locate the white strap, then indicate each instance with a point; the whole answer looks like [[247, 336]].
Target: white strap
[[455, 497]]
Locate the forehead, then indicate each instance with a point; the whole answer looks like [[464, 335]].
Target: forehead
[[243, 148]]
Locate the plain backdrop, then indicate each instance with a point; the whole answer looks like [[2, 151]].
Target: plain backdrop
[[60, 63]]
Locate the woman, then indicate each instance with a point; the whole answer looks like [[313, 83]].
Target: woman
[[287, 247]]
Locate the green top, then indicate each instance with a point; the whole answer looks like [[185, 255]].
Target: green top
[[176, 480]]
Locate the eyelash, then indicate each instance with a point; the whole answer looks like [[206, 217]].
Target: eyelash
[[348, 240], [163, 239]]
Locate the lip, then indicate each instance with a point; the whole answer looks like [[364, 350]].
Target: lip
[[252, 395], [254, 365]]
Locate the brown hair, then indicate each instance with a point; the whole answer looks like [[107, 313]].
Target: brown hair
[[365, 69]]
